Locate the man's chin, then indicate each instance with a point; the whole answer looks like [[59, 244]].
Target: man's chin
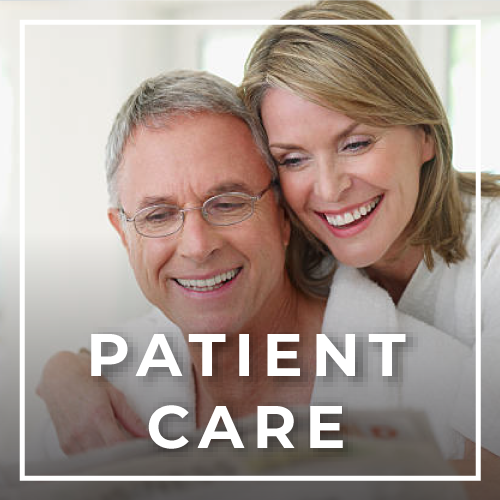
[[214, 324]]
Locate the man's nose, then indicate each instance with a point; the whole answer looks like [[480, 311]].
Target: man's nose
[[198, 239], [332, 180]]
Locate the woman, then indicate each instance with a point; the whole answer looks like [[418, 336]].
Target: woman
[[363, 149]]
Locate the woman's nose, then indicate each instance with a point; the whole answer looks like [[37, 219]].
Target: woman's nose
[[332, 180]]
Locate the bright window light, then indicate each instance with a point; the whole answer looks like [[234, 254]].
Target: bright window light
[[6, 123], [461, 105], [225, 53], [490, 76]]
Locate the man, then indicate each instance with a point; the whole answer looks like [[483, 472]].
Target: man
[[197, 210]]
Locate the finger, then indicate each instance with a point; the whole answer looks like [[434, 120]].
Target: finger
[[126, 415], [108, 426], [112, 434], [76, 432], [77, 439]]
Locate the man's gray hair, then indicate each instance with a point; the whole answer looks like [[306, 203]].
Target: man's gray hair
[[171, 94]]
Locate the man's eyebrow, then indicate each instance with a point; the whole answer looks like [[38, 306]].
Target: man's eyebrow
[[229, 187], [156, 200], [226, 187], [337, 137]]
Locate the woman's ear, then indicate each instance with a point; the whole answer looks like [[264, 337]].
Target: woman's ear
[[428, 145], [116, 221]]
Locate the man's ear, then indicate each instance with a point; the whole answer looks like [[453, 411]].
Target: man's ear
[[286, 226], [116, 222]]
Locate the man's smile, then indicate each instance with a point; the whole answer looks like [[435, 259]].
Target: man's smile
[[209, 284]]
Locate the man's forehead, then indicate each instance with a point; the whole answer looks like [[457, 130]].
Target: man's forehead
[[197, 133], [207, 154]]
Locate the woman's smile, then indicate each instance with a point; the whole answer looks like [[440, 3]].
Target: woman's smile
[[349, 222]]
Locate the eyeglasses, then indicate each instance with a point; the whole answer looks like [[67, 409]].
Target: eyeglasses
[[158, 221]]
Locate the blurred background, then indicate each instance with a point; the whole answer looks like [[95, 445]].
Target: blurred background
[[77, 275]]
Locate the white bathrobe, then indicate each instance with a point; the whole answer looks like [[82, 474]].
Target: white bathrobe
[[437, 364]]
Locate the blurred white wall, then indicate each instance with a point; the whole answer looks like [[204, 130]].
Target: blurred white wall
[[77, 276]]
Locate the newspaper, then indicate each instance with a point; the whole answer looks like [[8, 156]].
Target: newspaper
[[396, 443]]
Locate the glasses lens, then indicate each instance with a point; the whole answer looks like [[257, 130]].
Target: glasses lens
[[157, 221], [225, 209]]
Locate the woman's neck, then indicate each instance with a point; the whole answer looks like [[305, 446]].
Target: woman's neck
[[394, 273]]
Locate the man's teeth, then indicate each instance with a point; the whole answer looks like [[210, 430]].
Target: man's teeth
[[209, 284], [357, 213]]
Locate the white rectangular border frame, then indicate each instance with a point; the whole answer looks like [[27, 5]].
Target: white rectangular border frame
[[22, 247]]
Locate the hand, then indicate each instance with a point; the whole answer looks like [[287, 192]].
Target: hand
[[87, 412], [489, 486]]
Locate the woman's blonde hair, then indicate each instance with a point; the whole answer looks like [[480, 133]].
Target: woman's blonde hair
[[372, 74]]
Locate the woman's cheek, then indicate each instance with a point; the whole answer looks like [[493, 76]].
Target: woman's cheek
[[296, 188]]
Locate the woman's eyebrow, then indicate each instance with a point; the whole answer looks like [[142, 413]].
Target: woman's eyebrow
[[349, 129]]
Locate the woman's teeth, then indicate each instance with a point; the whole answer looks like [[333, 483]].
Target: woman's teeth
[[356, 214], [209, 284]]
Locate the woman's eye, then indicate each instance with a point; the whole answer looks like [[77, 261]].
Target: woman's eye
[[356, 145], [290, 161]]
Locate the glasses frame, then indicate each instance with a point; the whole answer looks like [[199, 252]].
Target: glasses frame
[[252, 198]]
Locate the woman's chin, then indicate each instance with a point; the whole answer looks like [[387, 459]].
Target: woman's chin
[[356, 259]]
